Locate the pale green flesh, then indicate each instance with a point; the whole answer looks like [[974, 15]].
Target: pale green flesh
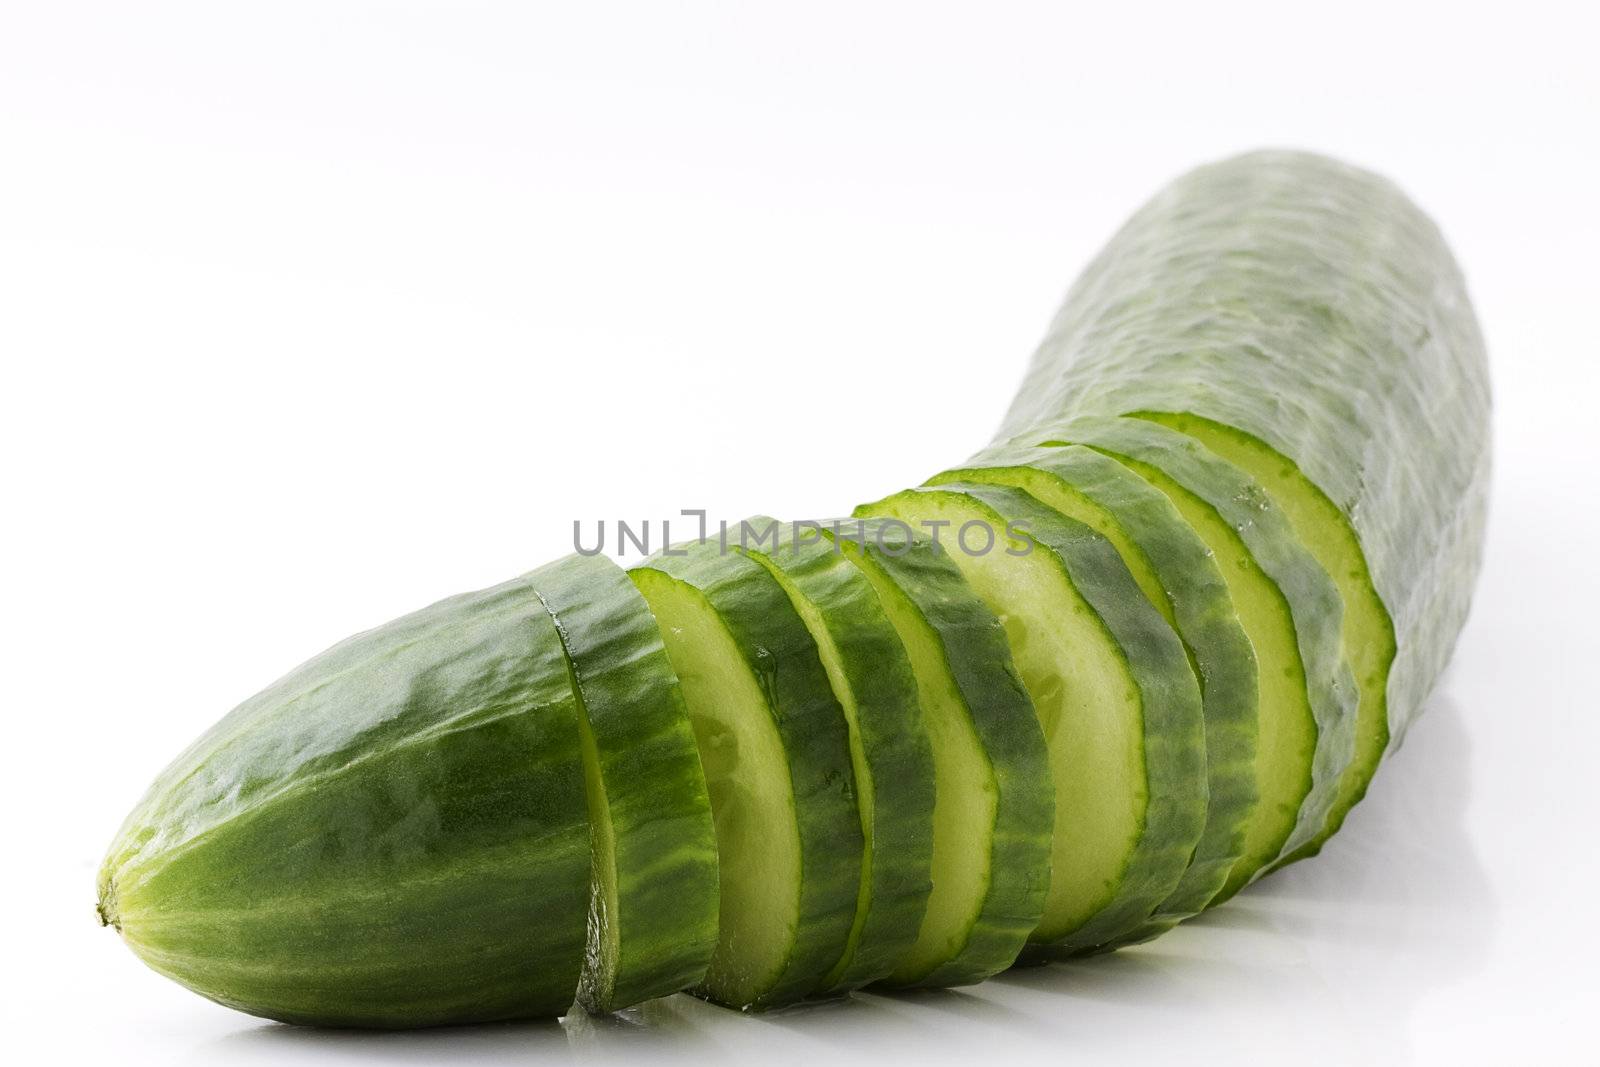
[[1367, 633], [1088, 707], [1286, 740], [965, 791], [747, 776], [828, 652], [1053, 494]]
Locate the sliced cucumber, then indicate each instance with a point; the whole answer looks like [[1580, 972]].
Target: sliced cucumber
[[1267, 406], [1312, 306], [1291, 610], [1368, 634], [776, 751], [392, 835], [994, 804], [1116, 698], [653, 908], [1179, 575], [889, 751]]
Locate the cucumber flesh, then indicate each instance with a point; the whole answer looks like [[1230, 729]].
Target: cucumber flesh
[[1368, 635], [776, 752], [1180, 576], [889, 751], [653, 909], [994, 803], [1117, 702], [749, 787]]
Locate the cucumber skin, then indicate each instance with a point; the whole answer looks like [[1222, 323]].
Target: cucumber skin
[[1172, 720], [896, 877], [665, 849], [1310, 305], [779, 651], [1203, 611], [393, 835], [1002, 715]]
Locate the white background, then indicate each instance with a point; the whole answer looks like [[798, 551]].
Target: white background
[[311, 313]]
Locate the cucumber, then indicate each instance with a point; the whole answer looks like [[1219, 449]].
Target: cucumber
[[890, 756], [1252, 453], [1116, 698], [776, 751], [1293, 615], [1368, 634], [652, 922], [994, 804], [394, 834], [1180, 576], [1314, 308]]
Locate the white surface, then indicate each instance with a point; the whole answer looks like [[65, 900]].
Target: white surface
[[312, 313]]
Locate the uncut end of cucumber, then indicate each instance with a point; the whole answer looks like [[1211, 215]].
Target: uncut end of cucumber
[[105, 907]]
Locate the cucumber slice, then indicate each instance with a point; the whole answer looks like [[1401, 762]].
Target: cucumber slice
[[1118, 703], [653, 907], [889, 751], [1180, 577], [392, 835], [1368, 634], [776, 752], [1312, 306], [1290, 608], [994, 804]]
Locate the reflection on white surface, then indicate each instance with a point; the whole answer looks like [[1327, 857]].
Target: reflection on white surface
[[1344, 947]]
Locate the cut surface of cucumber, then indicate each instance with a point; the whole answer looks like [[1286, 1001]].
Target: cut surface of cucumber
[[1179, 575], [392, 835], [1368, 633], [994, 803], [889, 752], [776, 751], [1117, 701], [653, 909]]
